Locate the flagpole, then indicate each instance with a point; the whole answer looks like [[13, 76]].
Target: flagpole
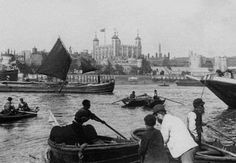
[[105, 37]]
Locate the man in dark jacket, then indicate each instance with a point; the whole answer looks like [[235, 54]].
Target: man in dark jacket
[[151, 147], [85, 110]]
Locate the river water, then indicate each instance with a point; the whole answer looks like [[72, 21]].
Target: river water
[[25, 141]]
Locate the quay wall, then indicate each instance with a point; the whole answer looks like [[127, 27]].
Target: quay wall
[[119, 79]]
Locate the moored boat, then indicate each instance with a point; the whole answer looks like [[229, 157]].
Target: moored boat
[[208, 154], [42, 87], [18, 116], [111, 150]]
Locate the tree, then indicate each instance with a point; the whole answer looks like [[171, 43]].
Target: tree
[[108, 69], [119, 70], [134, 70], [145, 68]]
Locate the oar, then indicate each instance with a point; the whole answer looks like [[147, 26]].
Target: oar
[[111, 128], [219, 149], [118, 101], [221, 133], [29, 112], [53, 118], [172, 100]]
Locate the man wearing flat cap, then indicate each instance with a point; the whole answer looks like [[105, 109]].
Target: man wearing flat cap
[[176, 135], [151, 147], [194, 120]]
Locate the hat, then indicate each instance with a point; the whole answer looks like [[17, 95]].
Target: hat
[[9, 99], [150, 120], [198, 102], [159, 107]]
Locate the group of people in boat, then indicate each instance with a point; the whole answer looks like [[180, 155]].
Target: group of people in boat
[[151, 102], [77, 133], [181, 140], [155, 96], [10, 109]]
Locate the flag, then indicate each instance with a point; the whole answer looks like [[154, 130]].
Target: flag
[[102, 30]]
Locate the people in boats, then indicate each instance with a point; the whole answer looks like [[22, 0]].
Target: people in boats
[[23, 105], [132, 95], [9, 108], [194, 120], [219, 73], [85, 110], [155, 94], [75, 133], [151, 147], [176, 135]]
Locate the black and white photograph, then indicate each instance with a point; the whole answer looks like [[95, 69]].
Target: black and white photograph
[[118, 81]]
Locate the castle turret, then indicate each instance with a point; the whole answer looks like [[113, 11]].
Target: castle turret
[[95, 45], [115, 45], [139, 46]]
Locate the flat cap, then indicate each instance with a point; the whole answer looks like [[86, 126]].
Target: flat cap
[[198, 102], [157, 108]]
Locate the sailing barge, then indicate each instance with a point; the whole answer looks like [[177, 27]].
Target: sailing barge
[[57, 65]]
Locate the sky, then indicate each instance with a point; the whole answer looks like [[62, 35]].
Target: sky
[[206, 27]]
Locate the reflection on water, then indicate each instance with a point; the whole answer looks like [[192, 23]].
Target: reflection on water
[[26, 140]]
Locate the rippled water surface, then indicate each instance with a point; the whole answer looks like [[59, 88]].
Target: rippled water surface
[[26, 140]]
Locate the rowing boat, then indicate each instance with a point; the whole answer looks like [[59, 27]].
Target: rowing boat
[[107, 150], [4, 118]]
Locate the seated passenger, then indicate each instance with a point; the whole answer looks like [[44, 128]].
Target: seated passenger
[[74, 133], [23, 105], [132, 95], [155, 95], [9, 108]]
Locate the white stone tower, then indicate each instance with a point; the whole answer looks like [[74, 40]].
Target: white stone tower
[[138, 44], [95, 44], [115, 45]]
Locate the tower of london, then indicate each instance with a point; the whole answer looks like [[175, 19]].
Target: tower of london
[[115, 50]]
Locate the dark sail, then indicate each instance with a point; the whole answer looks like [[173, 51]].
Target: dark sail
[[57, 63], [86, 65]]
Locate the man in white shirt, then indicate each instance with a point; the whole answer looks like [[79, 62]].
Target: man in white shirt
[[176, 135], [194, 120]]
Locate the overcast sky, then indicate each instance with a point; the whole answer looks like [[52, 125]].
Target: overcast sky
[[208, 27]]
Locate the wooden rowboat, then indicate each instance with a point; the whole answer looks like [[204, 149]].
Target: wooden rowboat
[[208, 154], [137, 101], [18, 116], [111, 150]]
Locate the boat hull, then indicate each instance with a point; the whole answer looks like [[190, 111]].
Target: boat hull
[[19, 116], [139, 101], [102, 88], [223, 88], [125, 152], [209, 154]]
